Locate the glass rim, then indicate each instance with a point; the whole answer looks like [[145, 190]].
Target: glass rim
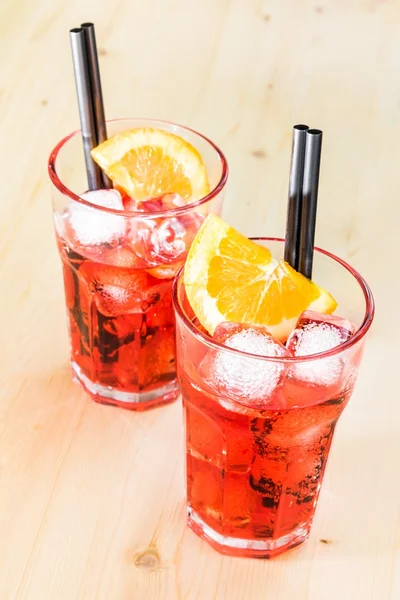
[[357, 336], [55, 179]]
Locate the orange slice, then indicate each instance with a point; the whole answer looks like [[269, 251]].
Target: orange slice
[[148, 162], [230, 278]]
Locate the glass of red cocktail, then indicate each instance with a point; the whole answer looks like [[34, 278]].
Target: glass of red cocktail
[[259, 428], [119, 257]]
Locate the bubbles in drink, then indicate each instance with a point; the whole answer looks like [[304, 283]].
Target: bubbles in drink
[[315, 333], [249, 380], [90, 226]]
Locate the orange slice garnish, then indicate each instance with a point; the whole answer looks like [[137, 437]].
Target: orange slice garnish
[[148, 162], [230, 278]]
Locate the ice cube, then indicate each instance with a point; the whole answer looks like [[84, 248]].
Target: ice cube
[[119, 290], [164, 240], [168, 240], [331, 331], [315, 333], [94, 227], [249, 380], [119, 256], [192, 221]]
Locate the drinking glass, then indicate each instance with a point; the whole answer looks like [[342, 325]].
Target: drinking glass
[[254, 468], [118, 268]]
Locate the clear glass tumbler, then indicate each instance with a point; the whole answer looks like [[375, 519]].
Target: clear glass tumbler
[[118, 268], [254, 474]]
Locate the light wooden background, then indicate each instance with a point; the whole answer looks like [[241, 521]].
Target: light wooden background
[[85, 489]]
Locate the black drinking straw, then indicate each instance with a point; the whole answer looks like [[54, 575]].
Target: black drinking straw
[[293, 220], [86, 114], [95, 89], [310, 196]]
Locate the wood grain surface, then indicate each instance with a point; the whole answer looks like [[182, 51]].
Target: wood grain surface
[[91, 497]]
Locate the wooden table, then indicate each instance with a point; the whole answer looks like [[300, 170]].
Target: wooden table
[[91, 497]]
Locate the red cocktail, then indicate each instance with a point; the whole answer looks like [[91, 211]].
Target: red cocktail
[[119, 257], [260, 417]]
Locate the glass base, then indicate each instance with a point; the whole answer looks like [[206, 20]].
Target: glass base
[[129, 400], [257, 548]]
